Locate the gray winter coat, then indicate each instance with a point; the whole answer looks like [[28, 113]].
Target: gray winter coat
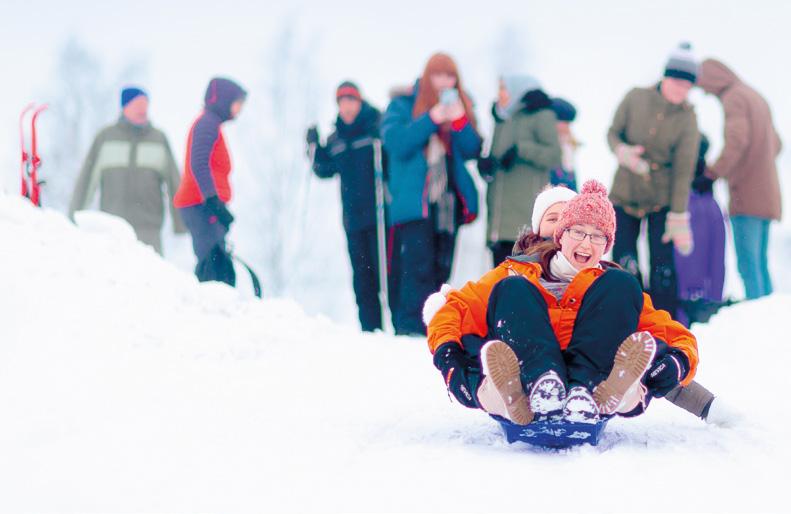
[[512, 192], [129, 164]]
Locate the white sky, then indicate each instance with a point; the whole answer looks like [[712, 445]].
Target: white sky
[[589, 52]]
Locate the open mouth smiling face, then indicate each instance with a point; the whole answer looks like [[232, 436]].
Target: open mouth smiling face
[[583, 245]]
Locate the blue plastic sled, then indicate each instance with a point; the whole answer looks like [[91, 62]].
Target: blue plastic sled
[[553, 434]]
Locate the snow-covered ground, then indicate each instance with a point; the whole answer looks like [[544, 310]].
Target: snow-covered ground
[[126, 386]]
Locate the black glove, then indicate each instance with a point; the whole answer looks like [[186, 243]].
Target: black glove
[[312, 136], [702, 184], [508, 159], [461, 373], [486, 167], [668, 370], [217, 209]]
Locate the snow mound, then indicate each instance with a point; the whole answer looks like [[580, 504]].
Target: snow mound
[[127, 386]]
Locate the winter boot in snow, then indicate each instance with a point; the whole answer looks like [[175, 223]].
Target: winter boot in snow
[[632, 360], [580, 406], [547, 394], [501, 391]]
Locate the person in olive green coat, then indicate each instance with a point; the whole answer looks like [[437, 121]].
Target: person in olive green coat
[[129, 162], [655, 137], [524, 149]]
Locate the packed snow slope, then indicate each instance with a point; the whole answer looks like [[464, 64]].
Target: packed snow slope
[[126, 386]]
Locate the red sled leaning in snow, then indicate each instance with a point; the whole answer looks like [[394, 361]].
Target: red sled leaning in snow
[[31, 161]]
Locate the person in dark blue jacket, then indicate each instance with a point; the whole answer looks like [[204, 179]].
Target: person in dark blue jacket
[[349, 153], [428, 132]]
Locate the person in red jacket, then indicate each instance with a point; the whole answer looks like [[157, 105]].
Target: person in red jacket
[[561, 320], [205, 190]]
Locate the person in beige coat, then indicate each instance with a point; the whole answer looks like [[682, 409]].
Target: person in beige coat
[[747, 162], [654, 135], [129, 163]]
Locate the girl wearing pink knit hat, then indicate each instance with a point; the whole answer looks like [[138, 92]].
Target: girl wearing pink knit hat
[[568, 334]]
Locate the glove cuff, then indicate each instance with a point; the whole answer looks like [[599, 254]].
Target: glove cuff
[[681, 361]]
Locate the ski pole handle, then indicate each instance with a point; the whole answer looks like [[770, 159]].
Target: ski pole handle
[[312, 153]]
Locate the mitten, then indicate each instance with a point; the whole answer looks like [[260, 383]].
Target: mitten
[[461, 373], [218, 211], [677, 230], [508, 159], [667, 372], [486, 167], [312, 136], [629, 156]]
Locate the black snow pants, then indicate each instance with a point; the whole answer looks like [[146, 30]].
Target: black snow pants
[[519, 315]]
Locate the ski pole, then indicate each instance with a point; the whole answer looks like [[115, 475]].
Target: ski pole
[[381, 245]]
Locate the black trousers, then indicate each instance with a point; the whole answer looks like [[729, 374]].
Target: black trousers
[[363, 253], [217, 265], [663, 284], [501, 250], [421, 261], [518, 315]]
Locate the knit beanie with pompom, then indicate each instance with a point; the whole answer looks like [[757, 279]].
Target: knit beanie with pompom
[[590, 207]]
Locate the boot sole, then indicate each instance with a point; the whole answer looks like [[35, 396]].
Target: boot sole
[[502, 367], [632, 360]]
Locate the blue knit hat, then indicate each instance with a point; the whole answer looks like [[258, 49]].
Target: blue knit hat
[[564, 110], [130, 93]]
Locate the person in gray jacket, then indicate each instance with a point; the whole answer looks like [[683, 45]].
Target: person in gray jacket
[[525, 147], [128, 164]]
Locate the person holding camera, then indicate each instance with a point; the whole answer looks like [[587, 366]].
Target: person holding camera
[[205, 190], [429, 133], [349, 152], [525, 147]]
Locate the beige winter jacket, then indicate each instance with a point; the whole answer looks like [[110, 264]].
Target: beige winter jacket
[[129, 165], [669, 134], [747, 160]]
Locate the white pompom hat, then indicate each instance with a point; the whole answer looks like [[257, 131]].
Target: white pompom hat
[[546, 199]]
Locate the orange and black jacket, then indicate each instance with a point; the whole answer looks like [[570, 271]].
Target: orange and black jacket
[[465, 311]]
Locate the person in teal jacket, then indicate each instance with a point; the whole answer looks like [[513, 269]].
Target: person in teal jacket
[[428, 133]]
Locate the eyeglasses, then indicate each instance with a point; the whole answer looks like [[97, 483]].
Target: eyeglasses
[[579, 235]]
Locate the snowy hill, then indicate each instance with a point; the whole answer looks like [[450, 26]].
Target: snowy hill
[[126, 386]]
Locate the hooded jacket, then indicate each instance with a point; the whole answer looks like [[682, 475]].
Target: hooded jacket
[[747, 160], [208, 163]]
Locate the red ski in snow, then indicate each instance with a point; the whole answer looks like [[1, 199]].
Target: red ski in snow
[[31, 161]]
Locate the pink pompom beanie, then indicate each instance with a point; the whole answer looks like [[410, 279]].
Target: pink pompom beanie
[[590, 207]]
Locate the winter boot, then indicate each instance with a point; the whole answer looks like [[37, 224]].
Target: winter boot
[[501, 391], [580, 406], [547, 394], [632, 360]]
